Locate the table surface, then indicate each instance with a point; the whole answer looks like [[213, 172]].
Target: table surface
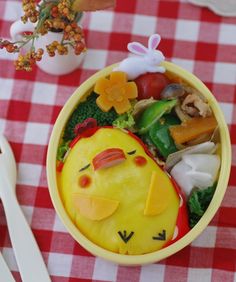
[[192, 37]]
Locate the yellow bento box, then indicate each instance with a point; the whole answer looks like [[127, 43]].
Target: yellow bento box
[[80, 94]]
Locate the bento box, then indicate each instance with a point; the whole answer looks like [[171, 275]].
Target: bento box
[[139, 159]]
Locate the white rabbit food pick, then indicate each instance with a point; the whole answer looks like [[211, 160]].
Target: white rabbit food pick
[[148, 59]]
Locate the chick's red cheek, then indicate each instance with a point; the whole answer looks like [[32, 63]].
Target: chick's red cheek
[[140, 161], [84, 181]]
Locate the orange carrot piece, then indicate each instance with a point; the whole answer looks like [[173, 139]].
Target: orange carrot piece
[[115, 92], [192, 129]]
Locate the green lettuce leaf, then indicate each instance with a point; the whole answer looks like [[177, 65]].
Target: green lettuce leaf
[[198, 203]]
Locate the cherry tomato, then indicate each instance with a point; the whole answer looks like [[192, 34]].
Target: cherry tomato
[[150, 85]]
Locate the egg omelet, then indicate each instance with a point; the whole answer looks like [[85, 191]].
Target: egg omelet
[[117, 195]]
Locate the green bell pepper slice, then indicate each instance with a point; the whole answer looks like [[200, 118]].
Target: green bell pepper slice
[[153, 114], [160, 135]]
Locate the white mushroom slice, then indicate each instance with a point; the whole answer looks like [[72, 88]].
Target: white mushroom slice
[[181, 115], [196, 170], [203, 148]]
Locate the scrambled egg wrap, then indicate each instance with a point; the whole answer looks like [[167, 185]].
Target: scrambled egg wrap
[[127, 203]]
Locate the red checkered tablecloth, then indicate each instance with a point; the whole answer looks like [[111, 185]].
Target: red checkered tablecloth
[[192, 37]]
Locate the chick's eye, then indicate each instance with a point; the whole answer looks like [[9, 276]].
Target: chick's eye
[[84, 181], [140, 161], [85, 167], [131, 152]]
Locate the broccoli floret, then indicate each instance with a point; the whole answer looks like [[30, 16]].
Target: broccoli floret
[[87, 109], [198, 203], [125, 120]]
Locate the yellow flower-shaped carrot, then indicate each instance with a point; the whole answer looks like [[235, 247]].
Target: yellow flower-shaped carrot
[[115, 92]]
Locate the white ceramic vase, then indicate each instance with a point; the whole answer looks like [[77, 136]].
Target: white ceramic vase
[[57, 65]]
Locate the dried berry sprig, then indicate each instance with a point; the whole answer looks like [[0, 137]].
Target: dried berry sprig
[[49, 15], [30, 11], [9, 46], [14, 47], [54, 47], [74, 36], [26, 62]]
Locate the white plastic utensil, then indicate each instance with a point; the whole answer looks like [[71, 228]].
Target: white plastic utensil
[[28, 256], [5, 273]]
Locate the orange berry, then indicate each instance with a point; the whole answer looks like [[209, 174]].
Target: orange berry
[[56, 24], [51, 54], [59, 47], [33, 19], [40, 51], [10, 48], [55, 43], [68, 28], [65, 11], [73, 24], [77, 37], [55, 9]]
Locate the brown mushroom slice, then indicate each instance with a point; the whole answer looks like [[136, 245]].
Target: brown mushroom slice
[[172, 91]]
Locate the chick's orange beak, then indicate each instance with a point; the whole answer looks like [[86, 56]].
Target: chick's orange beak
[[108, 158]]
